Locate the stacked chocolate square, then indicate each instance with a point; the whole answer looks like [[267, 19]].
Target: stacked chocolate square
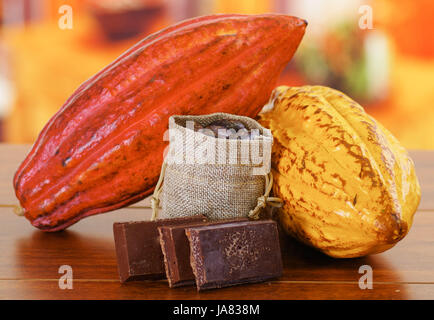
[[211, 254]]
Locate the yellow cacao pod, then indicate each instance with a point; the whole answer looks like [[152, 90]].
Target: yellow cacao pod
[[349, 187]]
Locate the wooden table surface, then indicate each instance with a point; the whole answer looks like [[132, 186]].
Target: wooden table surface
[[30, 259]]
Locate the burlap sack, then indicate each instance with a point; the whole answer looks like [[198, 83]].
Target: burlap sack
[[220, 178]]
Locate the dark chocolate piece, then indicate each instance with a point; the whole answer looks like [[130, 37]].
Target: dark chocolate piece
[[138, 248], [176, 252], [235, 253]]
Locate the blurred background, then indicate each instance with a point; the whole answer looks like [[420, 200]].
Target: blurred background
[[389, 69]]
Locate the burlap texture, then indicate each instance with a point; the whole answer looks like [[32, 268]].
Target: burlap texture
[[226, 187]]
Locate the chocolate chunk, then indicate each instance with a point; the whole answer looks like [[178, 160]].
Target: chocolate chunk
[[176, 252], [138, 248], [235, 253]]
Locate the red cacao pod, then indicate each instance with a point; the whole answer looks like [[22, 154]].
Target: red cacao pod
[[104, 148]]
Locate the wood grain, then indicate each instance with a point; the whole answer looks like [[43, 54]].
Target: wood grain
[[30, 259], [159, 290], [28, 253]]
